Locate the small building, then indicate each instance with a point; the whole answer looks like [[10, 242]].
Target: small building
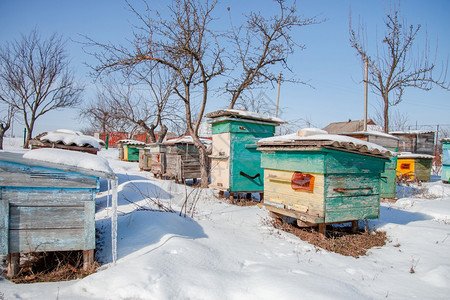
[[235, 162], [414, 167], [182, 158], [445, 175], [129, 149], [319, 178], [416, 141], [158, 159], [67, 140], [391, 143], [47, 202]]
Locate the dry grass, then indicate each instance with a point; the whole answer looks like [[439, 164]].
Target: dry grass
[[338, 239], [52, 266]]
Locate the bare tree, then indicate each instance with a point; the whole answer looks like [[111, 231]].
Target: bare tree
[[261, 43], [35, 77], [5, 123], [183, 42], [395, 67]]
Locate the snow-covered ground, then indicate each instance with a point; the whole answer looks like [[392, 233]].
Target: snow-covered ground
[[221, 251]]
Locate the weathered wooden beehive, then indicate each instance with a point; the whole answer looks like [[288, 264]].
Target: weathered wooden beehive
[[445, 174], [391, 143], [46, 206], [319, 178], [414, 167], [130, 150], [158, 159], [145, 159], [235, 162], [416, 141], [182, 158]]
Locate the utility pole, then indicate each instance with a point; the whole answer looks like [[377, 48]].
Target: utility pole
[[366, 79], [278, 96]]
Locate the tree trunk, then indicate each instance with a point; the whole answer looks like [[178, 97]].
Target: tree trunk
[[3, 129], [163, 133], [204, 166], [28, 136], [386, 114]]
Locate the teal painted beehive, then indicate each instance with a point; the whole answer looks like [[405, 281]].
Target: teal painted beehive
[[319, 178], [445, 175], [130, 149], [235, 162], [46, 206]]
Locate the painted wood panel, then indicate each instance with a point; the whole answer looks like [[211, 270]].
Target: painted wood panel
[[42, 217], [351, 202], [345, 162], [14, 174], [39, 240], [352, 214], [277, 189], [305, 161], [4, 225], [23, 196], [352, 185]]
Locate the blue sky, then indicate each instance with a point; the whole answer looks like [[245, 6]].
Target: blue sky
[[328, 63]]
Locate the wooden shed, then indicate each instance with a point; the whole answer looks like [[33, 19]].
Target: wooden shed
[[235, 162], [319, 178], [67, 140], [48, 206], [414, 167], [416, 141], [445, 175], [391, 143], [130, 149], [182, 158], [145, 159]]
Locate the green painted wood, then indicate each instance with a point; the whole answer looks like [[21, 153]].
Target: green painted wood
[[346, 162], [133, 153], [347, 185], [4, 225], [445, 175], [388, 184], [240, 126], [342, 215], [304, 161], [445, 153], [423, 169], [351, 202]]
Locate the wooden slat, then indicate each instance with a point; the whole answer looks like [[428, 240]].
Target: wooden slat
[[348, 202], [293, 214], [46, 240], [50, 218], [47, 196], [352, 214], [356, 185], [4, 225], [89, 225]]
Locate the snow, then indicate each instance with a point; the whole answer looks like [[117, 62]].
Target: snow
[[414, 155], [222, 251], [243, 114], [131, 142], [70, 137], [186, 140], [71, 158], [376, 133]]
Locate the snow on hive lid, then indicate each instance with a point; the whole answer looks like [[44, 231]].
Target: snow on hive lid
[[185, 140], [131, 142], [414, 155], [373, 133], [243, 114], [313, 137], [70, 138]]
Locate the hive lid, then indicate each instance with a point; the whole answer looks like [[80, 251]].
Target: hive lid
[[68, 138], [414, 155], [243, 114], [316, 138]]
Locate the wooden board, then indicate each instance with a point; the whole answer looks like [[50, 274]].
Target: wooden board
[[277, 189], [220, 161]]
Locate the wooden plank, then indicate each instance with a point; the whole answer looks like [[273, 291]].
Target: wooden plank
[[18, 196], [352, 185], [281, 192], [359, 213], [88, 259], [292, 213], [338, 162], [347, 202], [4, 225], [41, 240], [13, 265], [304, 161], [42, 217]]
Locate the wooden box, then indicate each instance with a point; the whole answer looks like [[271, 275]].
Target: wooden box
[[145, 159], [445, 175], [416, 167], [325, 180]]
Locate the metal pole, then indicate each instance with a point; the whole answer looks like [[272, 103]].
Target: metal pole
[[278, 96], [24, 135], [366, 77]]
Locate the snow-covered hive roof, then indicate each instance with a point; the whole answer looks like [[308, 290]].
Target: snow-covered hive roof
[[373, 133], [316, 138], [406, 155], [185, 140], [70, 138], [73, 161], [242, 114], [131, 142]]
